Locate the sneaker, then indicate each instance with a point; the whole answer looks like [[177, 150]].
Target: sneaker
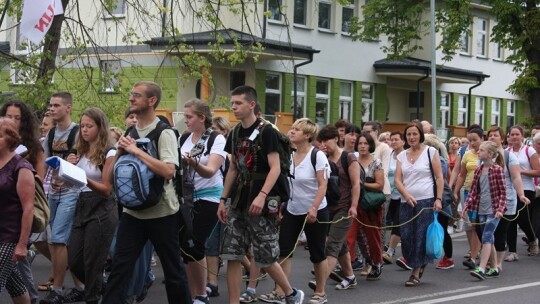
[[312, 285], [144, 292], [450, 229], [201, 300], [298, 298], [52, 298], [387, 258], [318, 299], [337, 276], [478, 273], [511, 257], [74, 295], [469, 263], [402, 262], [357, 264], [492, 273], [272, 297], [445, 263], [346, 284], [212, 290], [375, 273]]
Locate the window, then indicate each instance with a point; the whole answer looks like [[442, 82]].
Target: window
[[495, 112], [367, 102], [345, 100], [322, 104], [479, 111], [465, 43], [347, 14], [497, 52], [300, 12], [510, 113], [481, 37], [273, 96], [109, 75], [300, 97], [118, 9], [274, 6], [444, 117], [325, 14], [463, 107]]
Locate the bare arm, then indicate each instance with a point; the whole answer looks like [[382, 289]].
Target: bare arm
[[26, 193], [354, 175], [40, 165], [207, 171], [378, 185]]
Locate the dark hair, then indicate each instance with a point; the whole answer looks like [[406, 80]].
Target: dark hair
[[476, 129], [369, 139], [535, 127], [497, 129], [65, 96], [128, 112], [398, 133], [519, 128], [352, 128], [249, 92], [28, 130], [414, 124], [375, 125], [342, 123], [327, 133]]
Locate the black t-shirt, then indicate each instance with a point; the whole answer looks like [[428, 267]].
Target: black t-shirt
[[249, 157]]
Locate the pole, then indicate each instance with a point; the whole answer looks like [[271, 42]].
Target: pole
[[433, 68]]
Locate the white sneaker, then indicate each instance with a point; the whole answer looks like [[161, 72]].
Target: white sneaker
[[450, 229]]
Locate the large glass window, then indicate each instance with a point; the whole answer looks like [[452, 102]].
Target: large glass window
[[274, 6], [463, 106], [479, 111], [322, 104], [444, 117], [118, 9], [273, 96], [325, 14], [300, 12], [465, 45], [345, 100], [368, 98], [495, 112], [109, 75], [481, 37], [347, 13], [510, 113], [300, 97]]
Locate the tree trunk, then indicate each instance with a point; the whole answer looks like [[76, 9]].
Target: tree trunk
[[534, 103]]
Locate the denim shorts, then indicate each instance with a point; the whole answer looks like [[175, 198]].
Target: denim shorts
[[63, 205], [488, 225]]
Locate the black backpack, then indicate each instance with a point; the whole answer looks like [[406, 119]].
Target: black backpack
[[332, 191], [70, 142]]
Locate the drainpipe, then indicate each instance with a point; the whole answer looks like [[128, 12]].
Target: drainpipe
[[418, 94], [480, 80], [265, 8], [295, 84]]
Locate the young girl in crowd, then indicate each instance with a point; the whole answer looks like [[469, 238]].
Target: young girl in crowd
[[486, 202], [96, 213]]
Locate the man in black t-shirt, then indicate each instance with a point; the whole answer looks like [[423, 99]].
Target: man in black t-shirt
[[251, 181]]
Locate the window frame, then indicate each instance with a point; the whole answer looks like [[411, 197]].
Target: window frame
[[369, 101], [467, 49], [482, 34], [114, 14], [300, 95], [343, 99], [510, 104], [330, 15], [350, 6], [275, 92], [463, 110], [497, 113], [280, 13], [326, 97], [479, 112], [443, 123], [305, 9]]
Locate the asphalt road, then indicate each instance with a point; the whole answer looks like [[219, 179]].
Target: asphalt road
[[518, 283]]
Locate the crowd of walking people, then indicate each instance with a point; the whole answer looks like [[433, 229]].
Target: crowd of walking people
[[243, 195]]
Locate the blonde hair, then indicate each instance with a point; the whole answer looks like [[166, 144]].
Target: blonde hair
[[494, 150], [433, 141], [200, 108], [307, 127], [223, 124], [455, 138], [383, 135]]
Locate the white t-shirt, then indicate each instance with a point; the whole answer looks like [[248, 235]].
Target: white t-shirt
[[208, 189], [511, 195], [525, 164], [417, 177], [382, 152], [92, 171], [304, 185]]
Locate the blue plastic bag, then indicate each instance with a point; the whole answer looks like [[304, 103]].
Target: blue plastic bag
[[434, 239]]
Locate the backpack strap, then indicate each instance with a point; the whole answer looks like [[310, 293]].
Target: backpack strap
[[153, 135], [507, 161], [70, 140], [210, 142], [345, 162], [314, 158], [183, 138], [71, 136]]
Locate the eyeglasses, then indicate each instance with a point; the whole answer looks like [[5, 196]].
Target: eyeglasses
[[135, 95]]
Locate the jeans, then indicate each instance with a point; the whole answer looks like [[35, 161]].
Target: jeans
[[62, 206], [132, 236]]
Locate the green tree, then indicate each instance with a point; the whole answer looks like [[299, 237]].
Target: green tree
[[404, 23]]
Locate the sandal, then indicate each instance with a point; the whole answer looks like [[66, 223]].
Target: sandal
[[512, 257], [421, 272], [248, 297], [272, 297], [47, 286], [318, 299], [412, 281]]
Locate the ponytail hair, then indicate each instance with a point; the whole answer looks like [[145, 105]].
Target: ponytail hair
[[494, 150]]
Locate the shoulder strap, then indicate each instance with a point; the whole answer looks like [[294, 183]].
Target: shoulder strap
[[314, 158], [50, 139], [507, 160], [527, 152], [462, 151], [210, 142], [345, 161], [183, 138], [71, 137], [431, 170]]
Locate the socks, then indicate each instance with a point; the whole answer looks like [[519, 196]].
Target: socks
[[292, 294], [390, 251], [252, 290]]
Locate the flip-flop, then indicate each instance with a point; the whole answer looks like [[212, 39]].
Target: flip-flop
[[412, 281], [45, 286]]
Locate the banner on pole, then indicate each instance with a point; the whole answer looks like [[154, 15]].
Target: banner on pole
[[37, 18]]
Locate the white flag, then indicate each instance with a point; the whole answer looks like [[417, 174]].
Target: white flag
[[37, 18]]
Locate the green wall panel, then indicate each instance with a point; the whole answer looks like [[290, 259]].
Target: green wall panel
[[286, 96], [334, 100], [357, 103], [311, 99], [381, 102]]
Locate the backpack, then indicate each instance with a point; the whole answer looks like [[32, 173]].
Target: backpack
[[70, 142], [332, 190], [136, 187], [284, 150]]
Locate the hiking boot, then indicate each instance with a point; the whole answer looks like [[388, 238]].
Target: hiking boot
[[74, 295], [469, 263], [375, 273], [387, 258], [298, 298], [402, 262], [445, 263], [346, 284], [357, 264], [52, 297], [478, 273], [492, 273]]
